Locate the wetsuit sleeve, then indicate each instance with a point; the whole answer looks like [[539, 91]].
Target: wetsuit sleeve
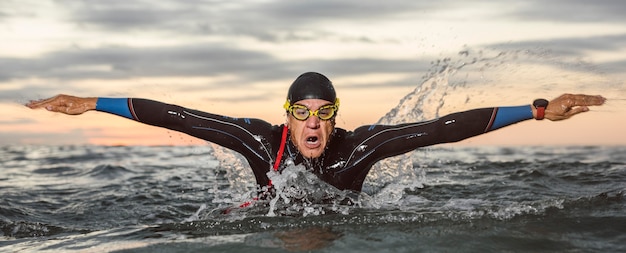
[[376, 142], [117, 106], [462, 125], [510, 115], [253, 138]]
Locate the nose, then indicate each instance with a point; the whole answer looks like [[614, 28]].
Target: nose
[[313, 122]]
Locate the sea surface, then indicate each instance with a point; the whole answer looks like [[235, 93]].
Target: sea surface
[[436, 199], [174, 199]]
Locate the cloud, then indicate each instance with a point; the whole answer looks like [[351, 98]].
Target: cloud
[[8, 9], [28, 90], [194, 60], [615, 67], [273, 21], [365, 66], [285, 20], [130, 15], [115, 62], [566, 49], [268, 21], [572, 11], [144, 14], [572, 46]]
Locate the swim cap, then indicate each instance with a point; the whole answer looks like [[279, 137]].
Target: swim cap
[[311, 85]]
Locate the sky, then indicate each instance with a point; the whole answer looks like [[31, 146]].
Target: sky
[[237, 58]]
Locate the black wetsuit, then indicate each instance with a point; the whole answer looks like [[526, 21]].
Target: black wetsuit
[[349, 155]]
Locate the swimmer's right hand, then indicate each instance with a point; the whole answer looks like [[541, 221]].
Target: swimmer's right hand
[[67, 104]]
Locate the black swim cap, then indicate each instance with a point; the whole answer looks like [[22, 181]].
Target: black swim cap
[[311, 85]]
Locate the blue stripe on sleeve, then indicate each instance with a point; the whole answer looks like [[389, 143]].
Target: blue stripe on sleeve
[[510, 115], [117, 106]]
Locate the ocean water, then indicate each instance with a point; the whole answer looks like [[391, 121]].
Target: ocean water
[[171, 199], [435, 199]]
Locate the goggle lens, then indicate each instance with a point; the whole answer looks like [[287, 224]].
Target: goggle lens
[[301, 112]]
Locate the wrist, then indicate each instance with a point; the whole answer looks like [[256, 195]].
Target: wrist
[[91, 103], [539, 108]]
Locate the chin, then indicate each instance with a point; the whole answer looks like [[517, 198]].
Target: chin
[[312, 153]]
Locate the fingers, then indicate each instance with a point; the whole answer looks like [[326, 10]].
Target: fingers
[[583, 100], [64, 104], [49, 103], [35, 104], [573, 111], [568, 105]]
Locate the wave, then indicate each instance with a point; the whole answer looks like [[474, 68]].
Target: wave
[[109, 172], [59, 171], [459, 214]]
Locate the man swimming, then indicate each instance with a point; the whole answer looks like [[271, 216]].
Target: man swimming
[[309, 137]]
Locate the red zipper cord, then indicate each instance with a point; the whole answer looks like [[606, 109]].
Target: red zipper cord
[[281, 150]]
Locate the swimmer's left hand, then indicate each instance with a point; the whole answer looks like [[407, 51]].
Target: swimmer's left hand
[[568, 105], [70, 105]]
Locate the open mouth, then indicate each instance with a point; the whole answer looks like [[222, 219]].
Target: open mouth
[[311, 139], [312, 142]]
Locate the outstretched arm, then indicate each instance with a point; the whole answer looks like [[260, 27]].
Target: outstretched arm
[[393, 139], [255, 139]]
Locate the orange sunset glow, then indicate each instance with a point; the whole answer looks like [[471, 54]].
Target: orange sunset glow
[[234, 67]]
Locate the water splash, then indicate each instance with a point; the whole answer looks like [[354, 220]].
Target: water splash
[[301, 193], [239, 181], [461, 83], [388, 178]]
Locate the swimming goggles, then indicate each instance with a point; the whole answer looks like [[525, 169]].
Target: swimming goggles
[[301, 112]]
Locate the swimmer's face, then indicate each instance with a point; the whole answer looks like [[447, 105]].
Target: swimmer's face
[[311, 135]]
